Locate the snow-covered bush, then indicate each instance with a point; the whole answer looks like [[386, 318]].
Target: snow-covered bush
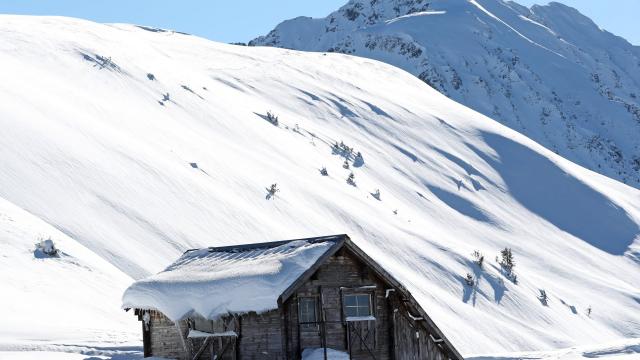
[[272, 118], [47, 247], [478, 258], [272, 190], [151, 77], [340, 148]]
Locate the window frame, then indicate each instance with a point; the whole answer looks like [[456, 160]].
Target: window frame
[[370, 305], [309, 327]]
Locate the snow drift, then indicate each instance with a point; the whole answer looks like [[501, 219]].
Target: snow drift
[[140, 143]]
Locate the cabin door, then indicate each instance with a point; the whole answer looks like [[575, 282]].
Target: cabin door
[[309, 322], [361, 338]]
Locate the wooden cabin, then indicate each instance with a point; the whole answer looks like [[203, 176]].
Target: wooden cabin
[[334, 300]]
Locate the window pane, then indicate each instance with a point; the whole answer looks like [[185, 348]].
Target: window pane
[[357, 305], [350, 300], [364, 310]]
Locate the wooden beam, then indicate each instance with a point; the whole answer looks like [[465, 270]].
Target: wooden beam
[[202, 348]]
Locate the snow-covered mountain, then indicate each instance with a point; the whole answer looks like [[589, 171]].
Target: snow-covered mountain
[[548, 72], [128, 145]]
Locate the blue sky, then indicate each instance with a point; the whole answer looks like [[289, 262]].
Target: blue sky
[[230, 21]]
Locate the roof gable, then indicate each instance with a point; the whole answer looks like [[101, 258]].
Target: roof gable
[[384, 276]]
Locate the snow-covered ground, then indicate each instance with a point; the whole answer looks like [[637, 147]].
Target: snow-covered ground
[[71, 298], [620, 350], [547, 71], [129, 145]]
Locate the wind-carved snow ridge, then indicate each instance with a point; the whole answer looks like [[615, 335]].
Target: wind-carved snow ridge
[[474, 2], [132, 170], [546, 71]]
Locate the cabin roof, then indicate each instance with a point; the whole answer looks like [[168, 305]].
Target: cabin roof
[[215, 281]]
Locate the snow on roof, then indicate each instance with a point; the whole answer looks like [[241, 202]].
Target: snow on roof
[[216, 281]]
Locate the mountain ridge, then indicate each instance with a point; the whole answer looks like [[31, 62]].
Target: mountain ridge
[[546, 71]]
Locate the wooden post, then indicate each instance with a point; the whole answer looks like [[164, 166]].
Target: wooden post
[[284, 329], [323, 323], [146, 334], [297, 300], [349, 338], [182, 339], [391, 325], [236, 344]]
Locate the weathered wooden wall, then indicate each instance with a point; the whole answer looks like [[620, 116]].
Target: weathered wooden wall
[[260, 337], [340, 274], [165, 340], [412, 340]]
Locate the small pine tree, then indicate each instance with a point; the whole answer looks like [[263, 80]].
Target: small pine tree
[[358, 160], [324, 171], [543, 296], [272, 190], [470, 280], [351, 179], [478, 258], [507, 261], [346, 164], [165, 97], [395, 212]]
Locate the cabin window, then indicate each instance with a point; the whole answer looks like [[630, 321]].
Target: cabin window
[[308, 313], [201, 324], [357, 305]]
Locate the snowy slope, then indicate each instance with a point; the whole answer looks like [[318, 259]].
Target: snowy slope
[[71, 298], [90, 146], [619, 350], [548, 72]]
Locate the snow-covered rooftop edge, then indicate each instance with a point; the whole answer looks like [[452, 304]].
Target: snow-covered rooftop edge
[[239, 279]]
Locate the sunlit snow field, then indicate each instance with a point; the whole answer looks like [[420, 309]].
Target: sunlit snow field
[[124, 171]]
